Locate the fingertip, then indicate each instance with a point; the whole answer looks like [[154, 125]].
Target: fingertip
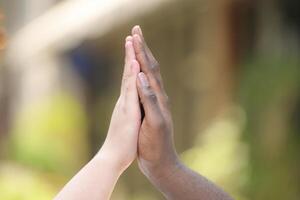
[[128, 45], [128, 38], [129, 51], [137, 30], [143, 79], [134, 30]]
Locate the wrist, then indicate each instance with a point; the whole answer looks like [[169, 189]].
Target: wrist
[[163, 169], [110, 159]]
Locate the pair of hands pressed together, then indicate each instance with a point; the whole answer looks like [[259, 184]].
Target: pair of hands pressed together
[[148, 138]]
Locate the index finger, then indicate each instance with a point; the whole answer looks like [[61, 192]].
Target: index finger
[[138, 31], [149, 65]]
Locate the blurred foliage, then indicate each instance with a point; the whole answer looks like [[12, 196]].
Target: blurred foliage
[[51, 135], [21, 183], [220, 155], [269, 93]]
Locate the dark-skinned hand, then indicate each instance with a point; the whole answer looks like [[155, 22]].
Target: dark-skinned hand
[[157, 157], [156, 152]]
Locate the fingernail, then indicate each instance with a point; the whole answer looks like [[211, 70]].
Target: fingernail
[[143, 79]]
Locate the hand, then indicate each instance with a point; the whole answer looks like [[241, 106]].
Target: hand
[[157, 157], [156, 152], [97, 178], [121, 142]]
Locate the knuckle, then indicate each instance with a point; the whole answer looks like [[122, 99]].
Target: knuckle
[[157, 82], [151, 97]]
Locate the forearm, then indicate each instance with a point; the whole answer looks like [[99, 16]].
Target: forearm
[[178, 182], [95, 181]]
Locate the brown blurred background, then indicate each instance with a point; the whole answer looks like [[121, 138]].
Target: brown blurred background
[[230, 67]]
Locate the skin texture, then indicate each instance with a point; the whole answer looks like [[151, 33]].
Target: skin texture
[[96, 180], [157, 157]]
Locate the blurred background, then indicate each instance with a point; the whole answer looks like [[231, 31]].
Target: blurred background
[[231, 69]]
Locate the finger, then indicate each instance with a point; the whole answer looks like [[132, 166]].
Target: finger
[[149, 65], [137, 30], [128, 38], [140, 53], [148, 98], [150, 68], [129, 50], [131, 94], [129, 56]]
